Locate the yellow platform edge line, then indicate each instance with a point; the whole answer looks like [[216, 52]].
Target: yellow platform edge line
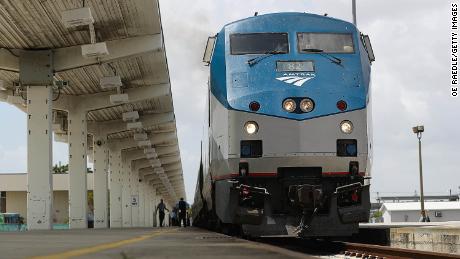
[[99, 248]]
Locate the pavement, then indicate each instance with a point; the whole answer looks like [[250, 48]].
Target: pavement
[[133, 243]]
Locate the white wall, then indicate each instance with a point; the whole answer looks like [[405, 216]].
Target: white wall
[[61, 207], [16, 202], [386, 217], [414, 216], [18, 182]]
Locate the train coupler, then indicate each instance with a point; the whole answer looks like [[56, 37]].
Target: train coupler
[[308, 198]]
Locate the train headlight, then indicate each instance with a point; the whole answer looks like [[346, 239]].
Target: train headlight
[[251, 127], [289, 105], [307, 105], [346, 127]]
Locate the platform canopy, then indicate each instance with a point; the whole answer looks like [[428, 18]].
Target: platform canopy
[[132, 33]]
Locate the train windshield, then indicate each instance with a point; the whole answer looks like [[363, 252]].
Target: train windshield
[[259, 43], [325, 42]]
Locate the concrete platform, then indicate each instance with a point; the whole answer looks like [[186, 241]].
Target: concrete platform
[[441, 237], [448, 224], [134, 243]]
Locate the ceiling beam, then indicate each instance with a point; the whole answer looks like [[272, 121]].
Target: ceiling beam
[[71, 57], [115, 126], [8, 61]]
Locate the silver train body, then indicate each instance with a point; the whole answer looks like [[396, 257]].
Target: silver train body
[[296, 184]]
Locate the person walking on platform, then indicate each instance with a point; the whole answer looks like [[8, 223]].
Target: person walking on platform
[[183, 212], [161, 207]]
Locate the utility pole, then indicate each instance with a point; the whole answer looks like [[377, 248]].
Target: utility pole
[[354, 12], [418, 130]]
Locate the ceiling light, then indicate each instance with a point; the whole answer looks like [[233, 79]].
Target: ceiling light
[[109, 82], [2, 85], [94, 50], [77, 17], [134, 125], [149, 150], [117, 99], [144, 143], [130, 116], [140, 136]]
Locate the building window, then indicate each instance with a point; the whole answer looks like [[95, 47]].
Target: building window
[[2, 202], [406, 218], [438, 214]]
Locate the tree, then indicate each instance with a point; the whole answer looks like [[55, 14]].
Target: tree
[[61, 169]]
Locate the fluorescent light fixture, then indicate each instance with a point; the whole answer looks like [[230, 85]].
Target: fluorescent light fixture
[[77, 17], [14, 99], [134, 125], [117, 99], [151, 155], [109, 82], [94, 50], [149, 150], [2, 85], [159, 170], [155, 162], [130, 116], [140, 136], [144, 143]]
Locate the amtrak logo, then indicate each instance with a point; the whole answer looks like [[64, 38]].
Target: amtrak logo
[[296, 79]]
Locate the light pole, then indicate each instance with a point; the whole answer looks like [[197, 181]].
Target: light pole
[[418, 130]]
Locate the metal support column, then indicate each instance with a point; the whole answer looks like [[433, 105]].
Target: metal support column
[[148, 207], [78, 200], [100, 188], [115, 188], [39, 158], [141, 203], [146, 204], [135, 195], [156, 200], [126, 194], [422, 198]]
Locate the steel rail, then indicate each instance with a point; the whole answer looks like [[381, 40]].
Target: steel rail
[[377, 251]]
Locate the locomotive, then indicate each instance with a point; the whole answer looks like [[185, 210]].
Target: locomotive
[[288, 144]]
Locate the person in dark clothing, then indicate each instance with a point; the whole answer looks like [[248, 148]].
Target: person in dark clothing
[[161, 207], [183, 212]]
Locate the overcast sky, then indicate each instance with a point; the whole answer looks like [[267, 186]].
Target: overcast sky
[[410, 85]]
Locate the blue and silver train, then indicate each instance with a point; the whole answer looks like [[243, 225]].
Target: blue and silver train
[[288, 143]]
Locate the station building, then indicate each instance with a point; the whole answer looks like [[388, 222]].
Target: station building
[[438, 211], [13, 197]]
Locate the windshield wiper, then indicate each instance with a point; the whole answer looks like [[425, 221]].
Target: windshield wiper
[[332, 58], [254, 61]]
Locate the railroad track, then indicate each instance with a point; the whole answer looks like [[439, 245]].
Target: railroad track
[[376, 251], [338, 249]]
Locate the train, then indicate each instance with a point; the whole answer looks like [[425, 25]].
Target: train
[[287, 148]]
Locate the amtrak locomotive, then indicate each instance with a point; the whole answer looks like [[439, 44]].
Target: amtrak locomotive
[[288, 143]]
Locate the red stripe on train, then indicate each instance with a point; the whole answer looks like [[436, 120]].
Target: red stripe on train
[[273, 174]]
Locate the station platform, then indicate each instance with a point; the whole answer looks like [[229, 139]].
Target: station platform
[[443, 237], [134, 243]]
